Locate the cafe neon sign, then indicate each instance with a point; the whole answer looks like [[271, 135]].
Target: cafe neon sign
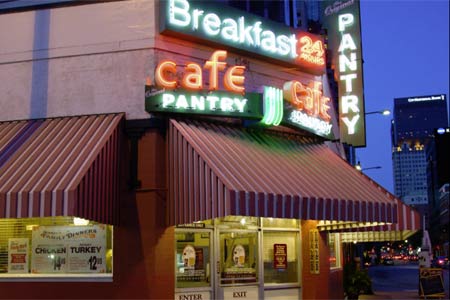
[[243, 32], [184, 92], [310, 107]]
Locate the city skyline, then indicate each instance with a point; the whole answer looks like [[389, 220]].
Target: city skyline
[[399, 62]]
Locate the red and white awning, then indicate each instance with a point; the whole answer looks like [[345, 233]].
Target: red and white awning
[[60, 167], [221, 170]]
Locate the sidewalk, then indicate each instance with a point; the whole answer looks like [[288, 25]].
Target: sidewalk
[[397, 295]]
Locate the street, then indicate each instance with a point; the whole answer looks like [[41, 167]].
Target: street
[[400, 279]]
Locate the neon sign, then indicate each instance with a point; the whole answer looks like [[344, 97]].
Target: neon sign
[[347, 58], [243, 32], [309, 107], [308, 99], [183, 92], [165, 75], [218, 103], [426, 98], [273, 106]]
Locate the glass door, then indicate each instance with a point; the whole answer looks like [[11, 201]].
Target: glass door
[[238, 271], [193, 264]]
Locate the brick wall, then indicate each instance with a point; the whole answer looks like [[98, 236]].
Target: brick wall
[[326, 284]]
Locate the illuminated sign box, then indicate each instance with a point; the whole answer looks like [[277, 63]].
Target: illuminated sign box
[[223, 25], [218, 103], [342, 19], [269, 107]]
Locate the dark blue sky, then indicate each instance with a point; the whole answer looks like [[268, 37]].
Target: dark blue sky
[[406, 53]]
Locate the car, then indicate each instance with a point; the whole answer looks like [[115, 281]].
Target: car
[[388, 261], [440, 262], [413, 257], [397, 257]]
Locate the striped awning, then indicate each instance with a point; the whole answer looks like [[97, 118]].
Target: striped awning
[[60, 167], [219, 170], [408, 222]]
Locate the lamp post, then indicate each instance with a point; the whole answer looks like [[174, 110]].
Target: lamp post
[[359, 168], [370, 168], [384, 112]]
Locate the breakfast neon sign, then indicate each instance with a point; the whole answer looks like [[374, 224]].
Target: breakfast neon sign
[[231, 27], [297, 105]]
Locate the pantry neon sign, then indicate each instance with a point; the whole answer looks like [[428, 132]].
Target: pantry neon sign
[[351, 102], [342, 19], [231, 27]]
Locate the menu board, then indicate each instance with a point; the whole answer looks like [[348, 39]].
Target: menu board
[[431, 282], [68, 249], [18, 255]]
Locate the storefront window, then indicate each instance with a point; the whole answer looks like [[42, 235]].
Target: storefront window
[[192, 267], [55, 246], [333, 245], [280, 257], [238, 257]]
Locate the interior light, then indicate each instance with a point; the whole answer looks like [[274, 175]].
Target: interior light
[[30, 227], [80, 221], [354, 242], [243, 221]]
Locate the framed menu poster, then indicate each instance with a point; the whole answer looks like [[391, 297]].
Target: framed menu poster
[[68, 249]]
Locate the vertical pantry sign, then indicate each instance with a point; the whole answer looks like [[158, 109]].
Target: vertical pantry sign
[[68, 249]]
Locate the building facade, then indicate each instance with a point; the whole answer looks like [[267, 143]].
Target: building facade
[[414, 152], [146, 155]]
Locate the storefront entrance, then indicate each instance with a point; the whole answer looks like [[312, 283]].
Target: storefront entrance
[[238, 257]]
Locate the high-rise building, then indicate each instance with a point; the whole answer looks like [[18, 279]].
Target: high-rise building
[[414, 152], [415, 118]]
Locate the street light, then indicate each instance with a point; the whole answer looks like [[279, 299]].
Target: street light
[[384, 112], [370, 168], [359, 168]]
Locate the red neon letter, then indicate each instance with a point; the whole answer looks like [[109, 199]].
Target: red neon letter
[[234, 79], [295, 93], [214, 67], [324, 107], [192, 80], [164, 67]]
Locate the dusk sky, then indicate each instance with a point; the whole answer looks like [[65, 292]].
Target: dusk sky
[[406, 53]]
